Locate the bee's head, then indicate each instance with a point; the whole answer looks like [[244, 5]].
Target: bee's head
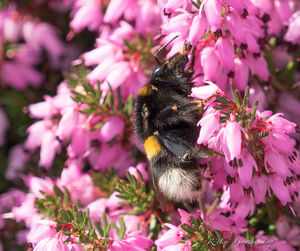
[[172, 69]]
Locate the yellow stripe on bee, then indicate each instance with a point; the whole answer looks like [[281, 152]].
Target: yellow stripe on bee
[[152, 147], [147, 90]]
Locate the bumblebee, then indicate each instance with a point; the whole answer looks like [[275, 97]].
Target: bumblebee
[[166, 123]]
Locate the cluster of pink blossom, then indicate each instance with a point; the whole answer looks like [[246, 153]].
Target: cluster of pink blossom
[[255, 156], [42, 232], [272, 163], [174, 238], [229, 35], [27, 39], [63, 124]]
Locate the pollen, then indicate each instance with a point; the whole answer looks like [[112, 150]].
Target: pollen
[[175, 108], [147, 90], [152, 147]]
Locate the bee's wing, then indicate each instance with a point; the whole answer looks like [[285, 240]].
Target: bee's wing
[[179, 150]]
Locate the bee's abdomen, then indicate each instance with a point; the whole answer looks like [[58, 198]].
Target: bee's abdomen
[[176, 180]]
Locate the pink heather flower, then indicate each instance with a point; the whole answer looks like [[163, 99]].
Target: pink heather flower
[[271, 242], [26, 55], [118, 75], [51, 244], [86, 13], [244, 208], [97, 208], [16, 162], [259, 185], [49, 147], [278, 163], [205, 91], [147, 19], [246, 170], [280, 190], [115, 9], [278, 140], [259, 67], [235, 25], [225, 51], [197, 29], [264, 6], [37, 185], [4, 125], [96, 56], [41, 109], [35, 131], [40, 230], [19, 75], [173, 5], [133, 241], [209, 62], [213, 13], [169, 238], [44, 36], [80, 142], [11, 28], [113, 126], [209, 123], [67, 124], [141, 167], [232, 140], [288, 231], [115, 156], [241, 74], [12, 198], [180, 24], [284, 9], [145, 13], [74, 246], [113, 202], [293, 32], [288, 105], [79, 185], [257, 93], [26, 211], [275, 25], [239, 6]]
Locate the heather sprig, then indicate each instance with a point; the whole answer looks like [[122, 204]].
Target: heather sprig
[[203, 238], [135, 193], [75, 223]]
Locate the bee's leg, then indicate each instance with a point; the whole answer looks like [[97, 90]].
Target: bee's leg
[[201, 205], [213, 206], [190, 71], [188, 207]]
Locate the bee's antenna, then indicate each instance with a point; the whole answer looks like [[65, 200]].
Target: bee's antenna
[[162, 48]]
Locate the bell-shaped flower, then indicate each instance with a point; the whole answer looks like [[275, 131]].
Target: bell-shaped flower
[[232, 139], [209, 62], [213, 13], [280, 190], [246, 170], [225, 49], [112, 127]]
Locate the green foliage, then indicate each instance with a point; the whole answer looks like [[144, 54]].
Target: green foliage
[[75, 222], [141, 199], [135, 194], [106, 181], [50, 205], [203, 238]]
